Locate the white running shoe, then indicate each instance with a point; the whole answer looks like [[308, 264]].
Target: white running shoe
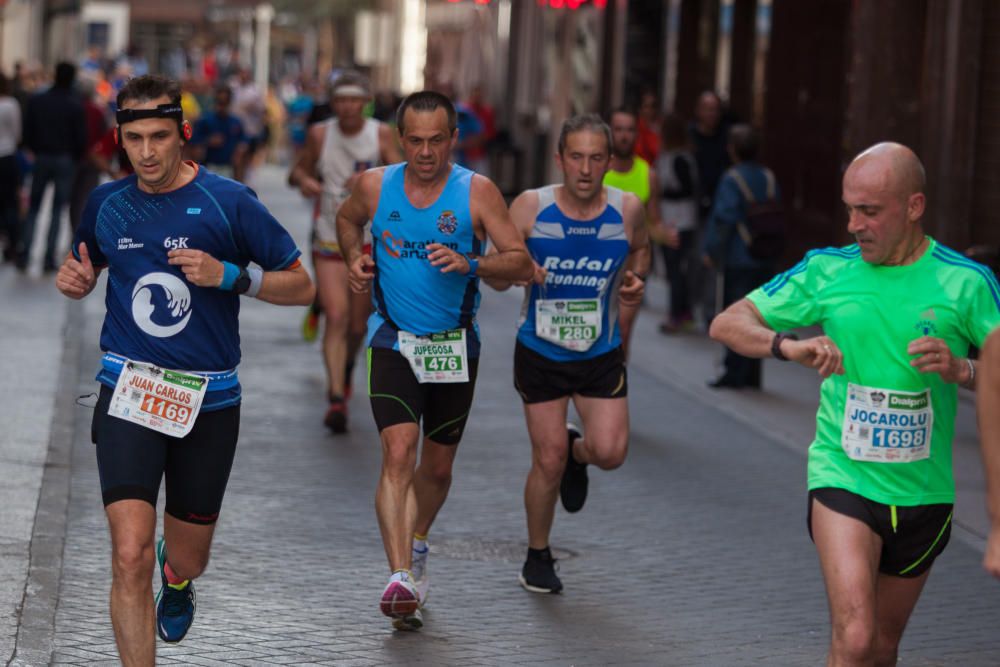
[[400, 598]]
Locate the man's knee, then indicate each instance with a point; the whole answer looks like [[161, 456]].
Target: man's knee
[[436, 472], [854, 641], [609, 453], [132, 560], [550, 462], [188, 565], [399, 451]]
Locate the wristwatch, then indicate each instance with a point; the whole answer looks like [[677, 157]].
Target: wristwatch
[[776, 344], [242, 282]]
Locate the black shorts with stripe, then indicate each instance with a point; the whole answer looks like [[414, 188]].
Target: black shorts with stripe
[[397, 398], [912, 536], [538, 378]]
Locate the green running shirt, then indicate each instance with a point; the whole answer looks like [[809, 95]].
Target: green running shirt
[[635, 180], [872, 313]]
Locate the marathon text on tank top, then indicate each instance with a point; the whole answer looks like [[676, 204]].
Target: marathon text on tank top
[[574, 315], [341, 157], [409, 293]]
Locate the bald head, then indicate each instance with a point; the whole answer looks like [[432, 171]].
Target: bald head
[[891, 167]]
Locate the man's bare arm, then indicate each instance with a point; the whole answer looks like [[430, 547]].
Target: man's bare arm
[[742, 329], [352, 216], [522, 214], [287, 287], [490, 216]]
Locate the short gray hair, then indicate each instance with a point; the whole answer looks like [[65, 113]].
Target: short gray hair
[[586, 121]]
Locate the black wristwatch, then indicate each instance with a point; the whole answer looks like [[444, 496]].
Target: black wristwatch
[[242, 282], [776, 344]]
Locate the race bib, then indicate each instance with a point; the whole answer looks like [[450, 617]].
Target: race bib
[[440, 357], [161, 400], [574, 324], [886, 425]]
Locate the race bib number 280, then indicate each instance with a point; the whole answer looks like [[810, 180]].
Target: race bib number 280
[[162, 400], [886, 425], [574, 324]]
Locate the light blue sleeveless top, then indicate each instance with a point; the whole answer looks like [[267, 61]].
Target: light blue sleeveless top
[[409, 294]]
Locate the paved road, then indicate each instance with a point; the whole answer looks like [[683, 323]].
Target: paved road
[[693, 553]]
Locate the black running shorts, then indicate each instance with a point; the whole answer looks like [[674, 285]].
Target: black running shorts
[[538, 378], [397, 397], [131, 460], [912, 536]]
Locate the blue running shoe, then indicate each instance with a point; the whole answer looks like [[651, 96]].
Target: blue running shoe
[[174, 608]]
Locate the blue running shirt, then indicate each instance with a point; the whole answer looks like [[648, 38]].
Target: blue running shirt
[[154, 314], [409, 293], [584, 259]]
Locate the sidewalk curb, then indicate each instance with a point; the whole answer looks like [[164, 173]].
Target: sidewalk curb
[[35, 640]]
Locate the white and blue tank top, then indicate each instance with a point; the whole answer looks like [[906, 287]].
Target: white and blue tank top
[[409, 293], [584, 260]]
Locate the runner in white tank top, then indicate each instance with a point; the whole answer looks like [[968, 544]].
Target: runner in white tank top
[[336, 153]]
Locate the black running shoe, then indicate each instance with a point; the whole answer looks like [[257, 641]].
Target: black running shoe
[[539, 572], [573, 486]]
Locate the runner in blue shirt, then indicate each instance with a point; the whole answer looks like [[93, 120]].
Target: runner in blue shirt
[[430, 220], [591, 250], [176, 241]]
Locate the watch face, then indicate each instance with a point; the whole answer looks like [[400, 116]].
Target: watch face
[[242, 284]]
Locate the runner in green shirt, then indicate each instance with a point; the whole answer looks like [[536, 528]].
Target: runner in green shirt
[[898, 312]]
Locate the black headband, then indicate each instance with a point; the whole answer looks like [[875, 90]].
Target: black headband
[[173, 111]]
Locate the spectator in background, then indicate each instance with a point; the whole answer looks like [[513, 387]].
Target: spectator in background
[[218, 140], [478, 153], [710, 137], [250, 106], [469, 135], [299, 107], [10, 173], [110, 158], [724, 245], [711, 149], [55, 133], [87, 173], [676, 237], [647, 144]]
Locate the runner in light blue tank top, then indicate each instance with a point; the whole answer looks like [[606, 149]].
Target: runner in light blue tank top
[[403, 276], [583, 262], [430, 221]]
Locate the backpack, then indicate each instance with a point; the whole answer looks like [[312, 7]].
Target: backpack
[[763, 230]]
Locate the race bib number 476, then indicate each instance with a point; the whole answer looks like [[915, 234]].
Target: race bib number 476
[[886, 425], [440, 357], [162, 400]]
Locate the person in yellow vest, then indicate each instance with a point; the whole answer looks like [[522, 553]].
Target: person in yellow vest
[[631, 173]]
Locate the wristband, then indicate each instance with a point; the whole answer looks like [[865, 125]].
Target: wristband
[[256, 280], [473, 266], [230, 272], [971, 382], [776, 344]]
